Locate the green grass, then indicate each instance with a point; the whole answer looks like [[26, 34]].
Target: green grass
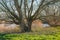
[[44, 34]]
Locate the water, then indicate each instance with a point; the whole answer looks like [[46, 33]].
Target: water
[[46, 25]]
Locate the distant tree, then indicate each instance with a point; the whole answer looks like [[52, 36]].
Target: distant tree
[[52, 15], [24, 12]]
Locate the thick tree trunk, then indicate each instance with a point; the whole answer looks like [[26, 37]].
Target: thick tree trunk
[[26, 27]]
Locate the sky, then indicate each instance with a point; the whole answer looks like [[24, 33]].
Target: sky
[[36, 2]]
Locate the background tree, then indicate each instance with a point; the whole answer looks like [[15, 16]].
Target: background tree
[[24, 12], [52, 15]]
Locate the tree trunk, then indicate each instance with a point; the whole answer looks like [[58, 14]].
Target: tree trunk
[[26, 27]]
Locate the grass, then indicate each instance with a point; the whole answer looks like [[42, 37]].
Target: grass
[[52, 33]]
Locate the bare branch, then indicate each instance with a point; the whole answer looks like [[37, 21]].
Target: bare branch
[[42, 7], [30, 9]]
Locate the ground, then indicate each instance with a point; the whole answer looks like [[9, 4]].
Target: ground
[[51, 33]]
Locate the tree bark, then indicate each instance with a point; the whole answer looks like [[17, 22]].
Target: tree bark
[[26, 27]]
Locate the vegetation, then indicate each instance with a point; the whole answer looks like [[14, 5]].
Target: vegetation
[[22, 13], [46, 34], [52, 15]]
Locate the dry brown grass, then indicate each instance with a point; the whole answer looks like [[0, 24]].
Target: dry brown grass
[[9, 29]]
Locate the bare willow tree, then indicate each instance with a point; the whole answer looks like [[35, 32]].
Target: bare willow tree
[[24, 12]]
